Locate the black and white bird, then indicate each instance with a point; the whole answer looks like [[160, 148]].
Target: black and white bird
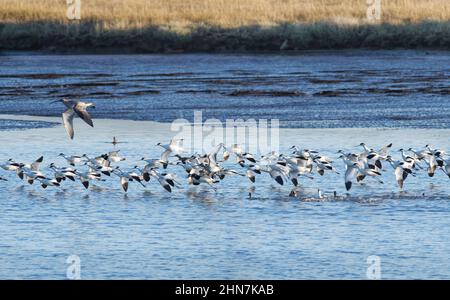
[[126, 177], [30, 172], [72, 160], [61, 174], [401, 170], [86, 177], [175, 146]]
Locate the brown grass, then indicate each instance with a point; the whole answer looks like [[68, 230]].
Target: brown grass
[[183, 19], [224, 13]]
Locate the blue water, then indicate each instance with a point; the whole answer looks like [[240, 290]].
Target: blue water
[[196, 232], [325, 89]]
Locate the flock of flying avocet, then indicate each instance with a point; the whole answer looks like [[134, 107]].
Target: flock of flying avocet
[[208, 169]]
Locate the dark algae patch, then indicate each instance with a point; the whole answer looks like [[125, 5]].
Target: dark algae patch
[[256, 93]]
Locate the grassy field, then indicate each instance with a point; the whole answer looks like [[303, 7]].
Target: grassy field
[[223, 25]]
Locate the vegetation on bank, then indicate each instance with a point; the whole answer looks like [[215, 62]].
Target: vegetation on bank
[[223, 25]]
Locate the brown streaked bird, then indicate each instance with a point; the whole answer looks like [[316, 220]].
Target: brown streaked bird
[[75, 107]]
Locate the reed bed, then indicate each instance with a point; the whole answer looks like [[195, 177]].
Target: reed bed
[[223, 25]]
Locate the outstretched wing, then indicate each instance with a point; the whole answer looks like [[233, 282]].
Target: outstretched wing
[[165, 156], [385, 150], [213, 155], [124, 183], [83, 114], [37, 163], [67, 117], [349, 176]]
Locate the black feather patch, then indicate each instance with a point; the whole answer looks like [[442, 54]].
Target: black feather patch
[[146, 177], [321, 172], [170, 181], [294, 181], [279, 179], [378, 164], [71, 178], [125, 186], [404, 175], [252, 179], [107, 173], [348, 185], [168, 188], [86, 184]]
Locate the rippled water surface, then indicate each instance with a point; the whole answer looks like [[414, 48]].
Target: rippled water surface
[[325, 101], [324, 89]]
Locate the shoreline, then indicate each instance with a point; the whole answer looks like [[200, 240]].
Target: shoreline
[[121, 51], [282, 38], [55, 121]]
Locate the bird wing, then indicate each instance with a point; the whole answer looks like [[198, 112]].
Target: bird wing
[[399, 174], [432, 161], [213, 155], [83, 114], [447, 169], [350, 173], [175, 142], [69, 103], [101, 161], [67, 117], [277, 176], [124, 183], [114, 153], [35, 166], [385, 150], [165, 155]]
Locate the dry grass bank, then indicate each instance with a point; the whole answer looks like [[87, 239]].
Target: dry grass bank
[[220, 25]]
